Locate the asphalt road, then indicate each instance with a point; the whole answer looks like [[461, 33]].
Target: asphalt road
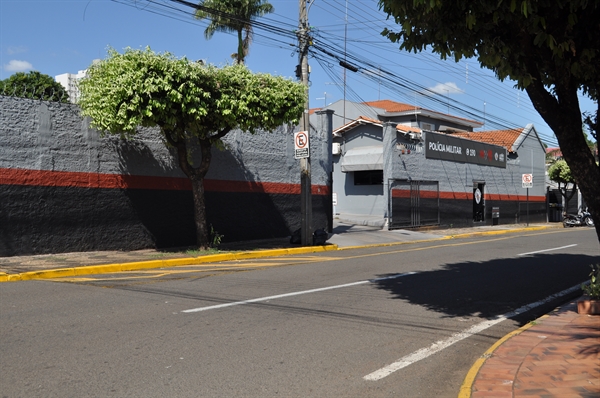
[[402, 321]]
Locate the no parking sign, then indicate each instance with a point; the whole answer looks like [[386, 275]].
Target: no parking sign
[[527, 180], [301, 145]]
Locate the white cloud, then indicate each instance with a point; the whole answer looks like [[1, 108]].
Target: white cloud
[[17, 66], [446, 88]]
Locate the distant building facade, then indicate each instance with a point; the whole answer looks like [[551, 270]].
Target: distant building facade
[[417, 167], [69, 82]]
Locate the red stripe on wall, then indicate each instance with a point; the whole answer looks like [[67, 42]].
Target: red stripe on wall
[[45, 178], [397, 193], [456, 195]]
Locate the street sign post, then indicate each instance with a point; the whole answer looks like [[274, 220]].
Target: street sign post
[[527, 181]]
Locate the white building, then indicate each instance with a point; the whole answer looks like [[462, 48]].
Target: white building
[[69, 82]]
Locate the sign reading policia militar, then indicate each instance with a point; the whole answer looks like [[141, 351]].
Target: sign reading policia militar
[[447, 147]]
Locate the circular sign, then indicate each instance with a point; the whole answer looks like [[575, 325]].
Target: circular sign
[[477, 196], [301, 140]]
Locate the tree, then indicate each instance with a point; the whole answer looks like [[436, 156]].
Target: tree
[[194, 105], [233, 16], [34, 85], [560, 172], [551, 49]]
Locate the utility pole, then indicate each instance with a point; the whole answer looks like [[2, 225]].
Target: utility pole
[[305, 183]]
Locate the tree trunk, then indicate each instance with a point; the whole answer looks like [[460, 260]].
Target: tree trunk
[[202, 233], [240, 51], [196, 176], [564, 117]]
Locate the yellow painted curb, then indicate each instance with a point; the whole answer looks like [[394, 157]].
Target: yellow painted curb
[[447, 237], [395, 243], [501, 232], [467, 385], [110, 268]]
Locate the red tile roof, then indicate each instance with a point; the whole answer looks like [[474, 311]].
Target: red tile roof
[[411, 129], [505, 138], [391, 106]]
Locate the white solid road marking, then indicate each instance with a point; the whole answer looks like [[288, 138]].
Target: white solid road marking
[[440, 345], [419, 354], [256, 300], [547, 250]]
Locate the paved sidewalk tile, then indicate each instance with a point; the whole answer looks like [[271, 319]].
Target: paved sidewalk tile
[[557, 357]]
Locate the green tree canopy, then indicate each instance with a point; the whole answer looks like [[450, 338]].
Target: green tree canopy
[[551, 49], [560, 173], [34, 85], [194, 105], [233, 16]]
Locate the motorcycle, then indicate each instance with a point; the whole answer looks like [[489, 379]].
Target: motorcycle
[[576, 220]]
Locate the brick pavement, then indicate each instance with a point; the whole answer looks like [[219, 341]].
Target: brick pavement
[[557, 356]]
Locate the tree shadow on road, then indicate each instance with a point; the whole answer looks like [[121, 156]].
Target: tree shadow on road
[[490, 288]]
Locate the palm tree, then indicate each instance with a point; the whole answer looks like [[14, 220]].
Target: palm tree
[[233, 16]]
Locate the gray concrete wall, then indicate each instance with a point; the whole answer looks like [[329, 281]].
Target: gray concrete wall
[[61, 178], [348, 111], [357, 199]]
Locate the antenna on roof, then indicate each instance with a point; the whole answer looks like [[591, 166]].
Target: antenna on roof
[[324, 98], [483, 114]]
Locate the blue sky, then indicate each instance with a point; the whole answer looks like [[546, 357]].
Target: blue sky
[[55, 37]]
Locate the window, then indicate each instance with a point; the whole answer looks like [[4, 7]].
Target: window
[[427, 126], [368, 177]]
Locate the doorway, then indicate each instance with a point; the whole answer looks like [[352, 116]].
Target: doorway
[[478, 201]]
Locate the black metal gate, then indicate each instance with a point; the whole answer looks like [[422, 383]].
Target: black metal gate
[[479, 201], [414, 203]]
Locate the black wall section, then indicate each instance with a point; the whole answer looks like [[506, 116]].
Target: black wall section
[[39, 220], [250, 216], [458, 213]]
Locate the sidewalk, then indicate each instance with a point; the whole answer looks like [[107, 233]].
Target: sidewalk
[[558, 355], [350, 231]]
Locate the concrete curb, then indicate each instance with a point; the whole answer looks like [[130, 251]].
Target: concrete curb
[[449, 237], [467, 385], [134, 266]]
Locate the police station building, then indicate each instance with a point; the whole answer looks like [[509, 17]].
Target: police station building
[[416, 167]]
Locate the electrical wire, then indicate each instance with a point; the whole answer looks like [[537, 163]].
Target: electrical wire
[[364, 19]]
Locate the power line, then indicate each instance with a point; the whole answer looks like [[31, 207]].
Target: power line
[[327, 49]]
